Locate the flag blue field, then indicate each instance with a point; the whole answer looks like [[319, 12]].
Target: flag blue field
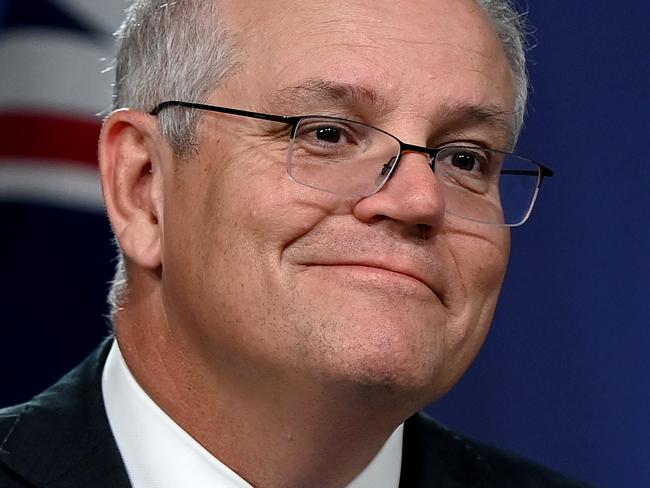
[[55, 243]]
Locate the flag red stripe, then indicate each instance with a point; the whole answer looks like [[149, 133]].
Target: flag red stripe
[[49, 136]]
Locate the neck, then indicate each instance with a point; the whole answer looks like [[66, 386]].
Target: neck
[[272, 430]]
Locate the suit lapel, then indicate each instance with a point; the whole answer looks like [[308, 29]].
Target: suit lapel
[[62, 438], [433, 456]]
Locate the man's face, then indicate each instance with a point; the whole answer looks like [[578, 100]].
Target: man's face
[[261, 274]]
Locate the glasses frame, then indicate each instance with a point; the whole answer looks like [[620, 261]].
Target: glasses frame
[[294, 121]]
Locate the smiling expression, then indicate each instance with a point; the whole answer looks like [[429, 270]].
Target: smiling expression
[[261, 273]]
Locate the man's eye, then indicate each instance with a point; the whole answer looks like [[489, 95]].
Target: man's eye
[[328, 134], [465, 160], [330, 137]]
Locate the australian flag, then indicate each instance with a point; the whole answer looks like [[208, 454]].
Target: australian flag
[[55, 241]]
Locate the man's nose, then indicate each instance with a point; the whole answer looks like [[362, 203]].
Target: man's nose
[[413, 195]]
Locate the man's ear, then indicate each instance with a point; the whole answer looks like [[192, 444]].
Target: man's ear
[[130, 153]]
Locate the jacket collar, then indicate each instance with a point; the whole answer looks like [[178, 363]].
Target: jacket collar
[[436, 456], [61, 438]]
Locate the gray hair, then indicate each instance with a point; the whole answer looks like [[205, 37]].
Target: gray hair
[[171, 50], [168, 50], [181, 50], [510, 26]]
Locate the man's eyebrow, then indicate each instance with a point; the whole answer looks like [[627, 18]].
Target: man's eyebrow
[[309, 92], [458, 116], [453, 116]]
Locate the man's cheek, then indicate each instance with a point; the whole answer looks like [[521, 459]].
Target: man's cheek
[[480, 265], [289, 217]]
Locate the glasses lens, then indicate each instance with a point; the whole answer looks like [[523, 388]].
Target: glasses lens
[[355, 159], [341, 156], [487, 186]]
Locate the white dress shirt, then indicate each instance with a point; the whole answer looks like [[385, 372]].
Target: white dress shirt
[[158, 453]]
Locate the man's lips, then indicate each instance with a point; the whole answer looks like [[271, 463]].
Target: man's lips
[[409, 271]]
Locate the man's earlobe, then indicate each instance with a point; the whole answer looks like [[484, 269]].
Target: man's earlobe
[[129, 160]]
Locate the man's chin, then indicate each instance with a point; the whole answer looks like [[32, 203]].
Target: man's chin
[[410, 380]]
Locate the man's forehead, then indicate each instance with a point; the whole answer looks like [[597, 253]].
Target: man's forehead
[[292, 35], [296, 68], [298, 16]]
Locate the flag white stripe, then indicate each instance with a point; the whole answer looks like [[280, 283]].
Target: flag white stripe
[[100, 13], [60, 184], [53, 70]]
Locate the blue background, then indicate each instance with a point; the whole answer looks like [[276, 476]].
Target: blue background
[[563, 377]]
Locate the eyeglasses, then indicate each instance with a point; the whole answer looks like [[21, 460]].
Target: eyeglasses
[[354, 159]]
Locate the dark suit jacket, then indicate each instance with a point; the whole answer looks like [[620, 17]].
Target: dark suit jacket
[[61, 439]]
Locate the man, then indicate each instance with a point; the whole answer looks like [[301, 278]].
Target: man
[[296, 282]]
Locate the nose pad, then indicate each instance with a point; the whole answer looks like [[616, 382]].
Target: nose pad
[[389, 166], [386, 172], [389, 169]]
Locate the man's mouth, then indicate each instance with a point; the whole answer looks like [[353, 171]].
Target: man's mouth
[[383, 271]]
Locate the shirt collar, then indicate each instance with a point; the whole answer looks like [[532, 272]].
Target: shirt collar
[[158, 453]]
